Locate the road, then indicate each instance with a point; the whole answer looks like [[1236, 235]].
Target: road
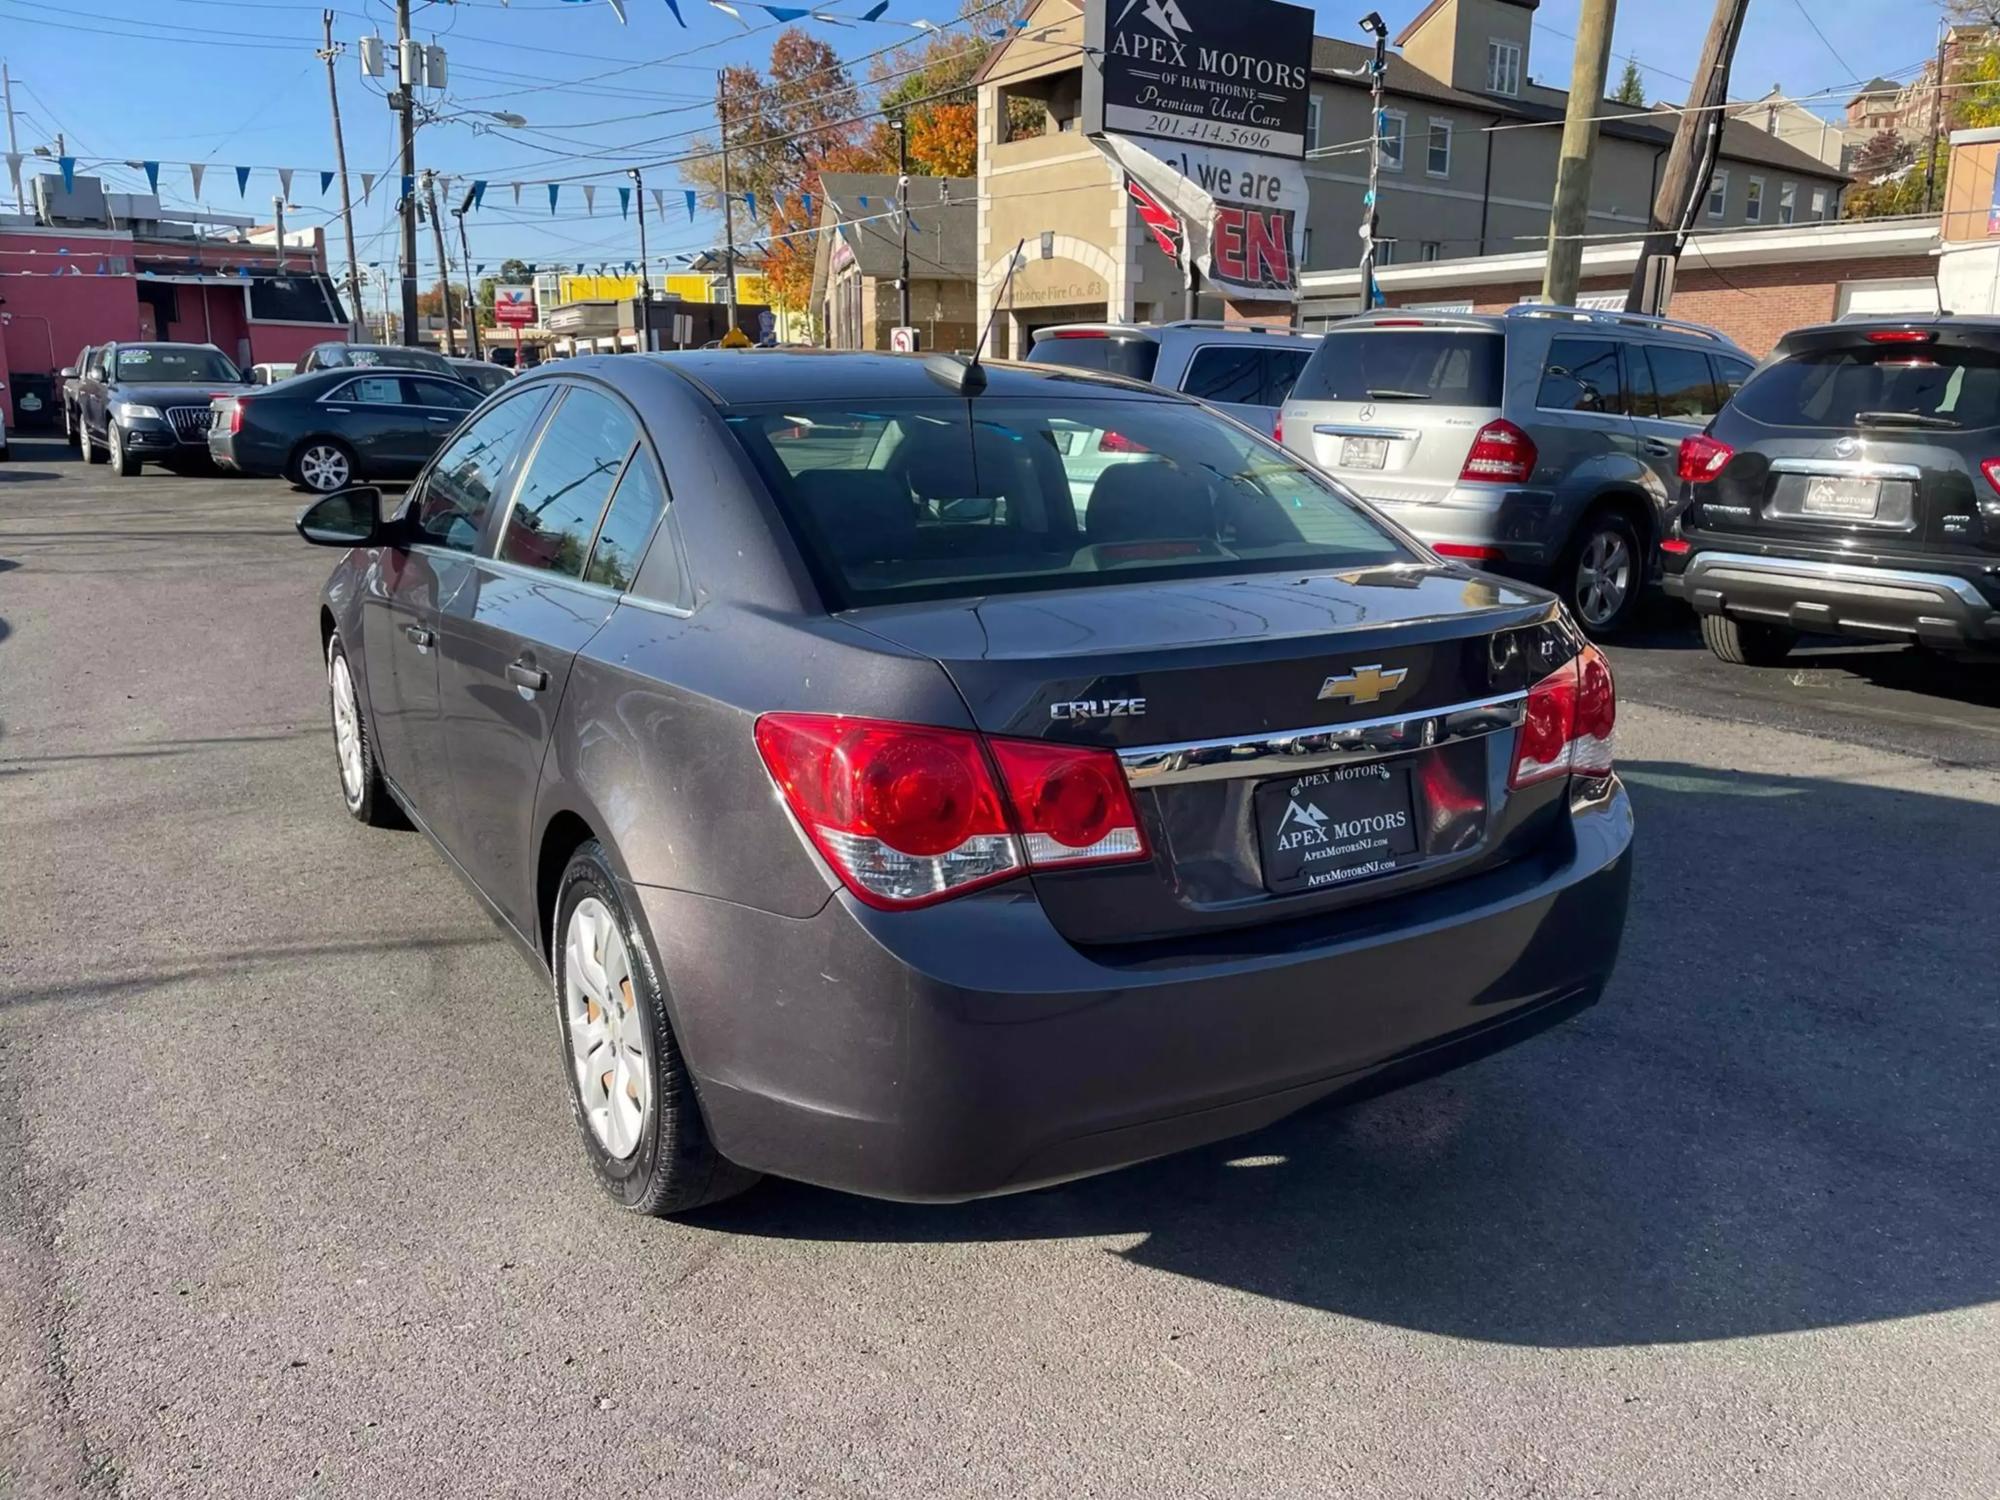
[[291, 1204]]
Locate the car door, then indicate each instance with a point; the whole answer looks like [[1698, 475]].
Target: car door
[[436, 408], [445, 519], [1673, 394], [510, 636], [1230, 376], [1582, 429], [368, 414], [90, 399]]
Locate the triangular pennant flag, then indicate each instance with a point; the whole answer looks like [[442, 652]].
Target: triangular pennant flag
[[659, 203], [618, 10], [784, 12], [915, 227], [589, 198], [750, 202], [478, 191], [242, 181], [922, 25], [517, 193], [14, 172], [555, 190], [325, 182], [672, 6], [729, 10], [152, 175], [624, 203], [195, 169], [579, 268], [285, 183], [820, 15], [68, 165], [864, 202], [689, 195], [100, 268], [874, 12], [367, 185], [480, 269]]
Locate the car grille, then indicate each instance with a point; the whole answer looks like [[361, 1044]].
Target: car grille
[[190, 423]]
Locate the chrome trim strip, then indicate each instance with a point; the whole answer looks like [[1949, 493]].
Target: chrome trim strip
[[1845, 468], [1342, 429], [1795, 567], [1323, 745]]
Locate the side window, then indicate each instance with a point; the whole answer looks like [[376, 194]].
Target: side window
[[1281, 373], [458, 492], [1642, 391], [1687, 390], [439, 393], [561, 496], [372, 390], [1730, 373], [1582, 375], [1225, 372], [621, 541]]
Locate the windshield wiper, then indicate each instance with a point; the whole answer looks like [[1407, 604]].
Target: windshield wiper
[[1903, 419], [1388, 395]]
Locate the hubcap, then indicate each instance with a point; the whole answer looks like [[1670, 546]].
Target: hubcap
[[346, 730], [323, 469], [117, 447], [1603, 577], [614, 1074]]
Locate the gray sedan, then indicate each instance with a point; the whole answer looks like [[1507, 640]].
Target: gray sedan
[[885, 818]]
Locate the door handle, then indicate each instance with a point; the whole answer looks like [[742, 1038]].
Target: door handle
[[345, 411], [419, 637], [528, 679], [1662, 447], [437, 419]]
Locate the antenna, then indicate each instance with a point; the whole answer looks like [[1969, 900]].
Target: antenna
[[1013, 264]]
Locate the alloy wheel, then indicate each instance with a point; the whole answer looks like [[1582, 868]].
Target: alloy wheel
[[614, 1074], [1603, 577], [115, 446], [347, 730], [323, 468]]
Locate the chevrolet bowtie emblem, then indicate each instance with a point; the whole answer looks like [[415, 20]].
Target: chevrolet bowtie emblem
[[1364, 684]]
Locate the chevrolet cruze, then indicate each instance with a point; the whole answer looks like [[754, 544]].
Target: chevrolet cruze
[[934, 780]]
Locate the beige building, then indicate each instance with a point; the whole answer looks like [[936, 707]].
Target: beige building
[[1778, 114], [858, 256], [1470, 146]]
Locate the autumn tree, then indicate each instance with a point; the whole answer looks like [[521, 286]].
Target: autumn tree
[[1631, 87]]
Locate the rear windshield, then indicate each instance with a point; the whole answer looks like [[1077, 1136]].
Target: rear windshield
[[941, 499], [161, 364], [1097, 351], [1877, 385], [1451, 366]]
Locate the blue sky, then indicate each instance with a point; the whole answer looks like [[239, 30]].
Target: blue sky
[[236, 82]]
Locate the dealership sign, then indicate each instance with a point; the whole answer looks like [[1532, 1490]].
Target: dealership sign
[[1231, 74], [514, 306], [1241, 215]]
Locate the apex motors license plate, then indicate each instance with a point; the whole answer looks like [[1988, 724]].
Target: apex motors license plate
[[1326, 828], [1363, 453], [1844, 499]]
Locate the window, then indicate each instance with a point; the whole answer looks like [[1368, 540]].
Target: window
[[1503, 68], [1819, 204], [1430, 250], [1582, 375], [1133, 357], [1222, 372], [1730, 373], [1306, 248], [370, 390], [1312, 123], [1718, 195], [1394, 124], [1437, 158], [1788, 202], [1385, 252], [1834, 387], [442, 393], [1683, 384], [1282, 368], [1447, 366], [1753, 201], [621, 543], [562, 492], [452, 499]]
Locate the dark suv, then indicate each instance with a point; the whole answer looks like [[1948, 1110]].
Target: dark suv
[[1852, 487]]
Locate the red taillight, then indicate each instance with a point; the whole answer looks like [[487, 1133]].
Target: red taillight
[[1902, 336], [1117, 442], [1991, 469], [1703, 458], [908, 814], [235, 416], [1073, 333], [1501, 454], [1278, 428], [1677, 545], [1570, 723], [1468, 551]]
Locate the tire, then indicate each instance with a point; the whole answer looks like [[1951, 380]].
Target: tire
[[1602, 575], [122, 463], [1746, 645], [321, 466], [69, 427], [647, 1143], [361, 787], [92, 454]]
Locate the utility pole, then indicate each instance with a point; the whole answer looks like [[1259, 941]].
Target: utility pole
[[404, 100], [1579, 143], [728, 197], [471, 291], [645, 277], [902, 127], [1937, 101], [13, 145], [330, 52], [444, 262], [278, 208], [1373, 24], [1691, 159]]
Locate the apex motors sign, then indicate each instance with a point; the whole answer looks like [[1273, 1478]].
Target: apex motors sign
[[1230, 74]]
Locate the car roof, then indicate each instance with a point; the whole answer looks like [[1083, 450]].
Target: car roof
[[1540, 315], [1976, 323], [1153, 331]]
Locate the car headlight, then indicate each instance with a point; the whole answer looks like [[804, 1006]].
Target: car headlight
[[133, 410]]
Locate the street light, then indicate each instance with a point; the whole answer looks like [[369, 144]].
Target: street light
[[900, 124]]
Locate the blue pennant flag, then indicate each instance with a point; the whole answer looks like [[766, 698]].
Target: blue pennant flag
[[152, 175], [689, 195], [325, 182], [624, 203], [68, 165], [874, 12], [480, 269], [554, 189], [242, 181], [579, 268], [478, 192], [100, 268], [750, 202], [864, 201], [915, 227], [677, 12], [784, 12], [807, 198]]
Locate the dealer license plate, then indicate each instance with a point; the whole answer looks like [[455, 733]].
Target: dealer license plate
[[1328, 828], [1363, 453], [1843, 499]]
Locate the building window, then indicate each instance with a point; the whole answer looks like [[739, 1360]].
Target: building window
[[1306, 248], [1753, 201], [1718, 195], [1385, 252], [1437, 160], [1394, 126], [1788, 202], [1430, 250], [1819, 204], [1503, 68], [1312, 123]]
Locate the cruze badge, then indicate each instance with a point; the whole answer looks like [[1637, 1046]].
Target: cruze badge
[[1098, 708], [1364, 684]]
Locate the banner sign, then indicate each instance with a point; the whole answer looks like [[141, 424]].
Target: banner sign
[[514, 306], [1242, 215], [1160, 221], [1226, 73]]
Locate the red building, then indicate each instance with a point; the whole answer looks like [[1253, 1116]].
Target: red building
[[87, 267]]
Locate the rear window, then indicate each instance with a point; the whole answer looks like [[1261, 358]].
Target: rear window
[[1451, 366], [1871, 385], [1134, 357], [940, 499]]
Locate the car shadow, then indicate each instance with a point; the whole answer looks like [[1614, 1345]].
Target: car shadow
[[1780, 1117]]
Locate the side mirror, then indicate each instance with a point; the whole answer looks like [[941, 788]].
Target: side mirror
[[68, 372], [346, 518]]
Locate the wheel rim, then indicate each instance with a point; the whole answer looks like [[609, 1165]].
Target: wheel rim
[[1603, 577], [323, 469], [117, 447], [346, 729], [614, 1074]]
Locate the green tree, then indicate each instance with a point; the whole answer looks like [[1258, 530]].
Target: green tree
[[1631, 87], [1897, 187]]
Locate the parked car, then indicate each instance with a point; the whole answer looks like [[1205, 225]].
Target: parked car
[[1542, 442], [66, 379], [1246, 370], [272, 373], [333, 428], [887, 823], [482, 375], [1850, 488], [150, 403], [338, 355]]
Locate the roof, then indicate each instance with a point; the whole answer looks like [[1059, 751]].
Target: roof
[[1877, 85], [760, 376], [1346, 63], [1436, 5], [944, 224]]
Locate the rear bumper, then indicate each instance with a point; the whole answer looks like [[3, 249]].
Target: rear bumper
[[968, 1049], [1516, 523], [1921, 600]]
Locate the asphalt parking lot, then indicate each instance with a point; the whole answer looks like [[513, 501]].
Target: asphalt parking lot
[[291, 1203]]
